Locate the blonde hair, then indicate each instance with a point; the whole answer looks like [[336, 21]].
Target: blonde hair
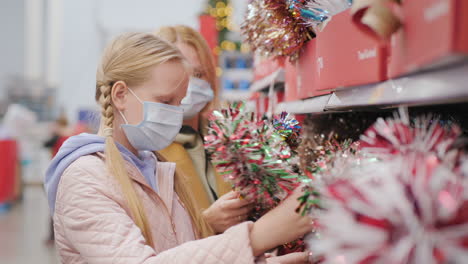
[[189, 36], [130, 58]]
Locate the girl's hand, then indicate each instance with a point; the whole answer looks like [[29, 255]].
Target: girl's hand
[[279, 226], [292, 258], [227, 211]]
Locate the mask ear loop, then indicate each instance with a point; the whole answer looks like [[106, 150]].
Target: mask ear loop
[[138, 98], [122, 115], [120, 112]]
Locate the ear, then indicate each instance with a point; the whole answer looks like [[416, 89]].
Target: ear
[[119, 95]]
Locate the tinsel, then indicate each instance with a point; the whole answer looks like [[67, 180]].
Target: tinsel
[[389, 137], [315, 12], [409, 205], [288, 128], [273, 31], [277, 28], [253, 155], [323, 153], [332, 159]]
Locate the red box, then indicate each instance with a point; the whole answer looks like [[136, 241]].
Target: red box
[[207, 28], [435, 32], [307, 77], [264, 67], [346, 56], [8, 170], [290, 84]]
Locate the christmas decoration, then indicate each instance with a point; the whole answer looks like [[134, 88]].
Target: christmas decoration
[[331, 160], [273, 31], [276, 28], [409, 205], [315, 12], [222, 11], [390, 137], [253, 155], [288, 128]]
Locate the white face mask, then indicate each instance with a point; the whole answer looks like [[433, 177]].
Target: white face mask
[[161, 124], [199, 93]]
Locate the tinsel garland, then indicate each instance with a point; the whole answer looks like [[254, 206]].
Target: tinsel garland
[[272, 31], [277, 28], [315, 12], [409, 205], [253, 155]]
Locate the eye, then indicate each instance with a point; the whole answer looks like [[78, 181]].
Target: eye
[[198, 74]]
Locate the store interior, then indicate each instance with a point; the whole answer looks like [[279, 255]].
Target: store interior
[[346, 72]]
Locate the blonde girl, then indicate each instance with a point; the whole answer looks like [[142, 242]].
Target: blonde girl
[[114, 201]]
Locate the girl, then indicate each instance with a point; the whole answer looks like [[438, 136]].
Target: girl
[[187, 150], [113, 202]]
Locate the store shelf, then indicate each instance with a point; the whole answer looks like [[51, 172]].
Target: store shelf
[[311, 105], [263, 84], [445, 85], [238, 74], [441, 86], [235, 95]]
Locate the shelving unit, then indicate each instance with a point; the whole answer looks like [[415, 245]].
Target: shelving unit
[[235, 95], [313, 105], [440, 86], [263, 84], [445, 85], [236, 75]]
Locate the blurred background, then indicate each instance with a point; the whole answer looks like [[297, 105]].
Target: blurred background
[[48, 57]]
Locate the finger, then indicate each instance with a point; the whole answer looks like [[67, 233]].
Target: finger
[[291, 258], [307, 225], [230, 195], [237, 203], [241, 218], [242, 211]]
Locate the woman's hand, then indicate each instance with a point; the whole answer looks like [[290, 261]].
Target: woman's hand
[[279, 226], [291, 258], [227, 211]]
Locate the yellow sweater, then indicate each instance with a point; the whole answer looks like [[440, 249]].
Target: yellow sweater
[[188, 152]]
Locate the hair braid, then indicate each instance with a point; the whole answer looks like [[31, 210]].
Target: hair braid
[[106, 102]]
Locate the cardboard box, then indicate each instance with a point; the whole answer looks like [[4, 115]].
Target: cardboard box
[[290, 84], [347, 57], [264, 67], [307, 72], [434, 33]]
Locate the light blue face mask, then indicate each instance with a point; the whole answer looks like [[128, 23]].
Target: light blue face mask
[[161, 124], [199, 93]]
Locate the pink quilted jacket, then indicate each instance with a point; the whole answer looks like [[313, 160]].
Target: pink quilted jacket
[[93, 223]]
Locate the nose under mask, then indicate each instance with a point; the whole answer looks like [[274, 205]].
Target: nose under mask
[[199, 93], [160, 125]]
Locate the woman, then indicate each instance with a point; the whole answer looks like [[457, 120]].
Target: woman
[[113, 202], [187, 151]]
